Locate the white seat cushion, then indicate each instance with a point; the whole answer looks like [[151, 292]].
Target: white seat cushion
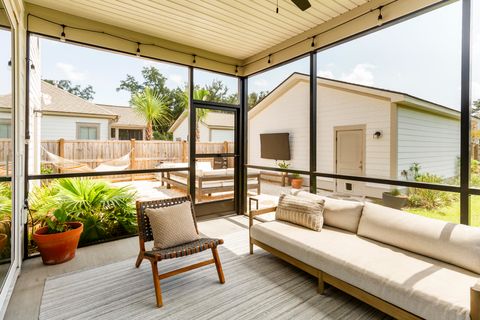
[[453, 243], [426, 287]]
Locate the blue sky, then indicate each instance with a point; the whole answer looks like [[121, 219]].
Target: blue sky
[[420, 56]]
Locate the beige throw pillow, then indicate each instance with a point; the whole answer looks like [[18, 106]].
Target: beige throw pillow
[[172, 226], [301, 211]]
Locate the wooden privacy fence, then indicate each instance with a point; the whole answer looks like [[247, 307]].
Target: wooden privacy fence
[[145, 154]]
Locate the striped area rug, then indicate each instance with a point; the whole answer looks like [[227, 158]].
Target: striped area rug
[[258, 286]]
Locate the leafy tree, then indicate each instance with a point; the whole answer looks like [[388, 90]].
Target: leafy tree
[[151, 105], [86, 93], [254, 98], [218, 92], [476, 108]]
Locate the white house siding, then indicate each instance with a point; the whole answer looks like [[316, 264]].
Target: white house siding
[[181, 132], [431, 140], [343, 108], [220, 135], [57, 127], [288, 113]]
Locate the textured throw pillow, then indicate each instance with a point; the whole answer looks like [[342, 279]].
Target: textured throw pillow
[[172, 225], [301, 211]]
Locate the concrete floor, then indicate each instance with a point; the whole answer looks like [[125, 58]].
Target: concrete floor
[[26, 297]]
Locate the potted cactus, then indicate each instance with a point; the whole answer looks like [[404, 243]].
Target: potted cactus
[[58, 240]]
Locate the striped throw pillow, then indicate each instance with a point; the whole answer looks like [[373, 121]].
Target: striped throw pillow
[[302, 211]]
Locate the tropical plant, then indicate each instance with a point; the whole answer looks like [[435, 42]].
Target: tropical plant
[[5, 201], [153, 107], [57, 223], [106, 211], [283, 164], [427, 198]]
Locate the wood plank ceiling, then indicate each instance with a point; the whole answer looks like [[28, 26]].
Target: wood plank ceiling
[[234, 28]]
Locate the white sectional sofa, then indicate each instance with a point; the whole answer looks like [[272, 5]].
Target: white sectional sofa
[[408, 266]]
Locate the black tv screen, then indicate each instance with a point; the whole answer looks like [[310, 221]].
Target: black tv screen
[[275, 146]]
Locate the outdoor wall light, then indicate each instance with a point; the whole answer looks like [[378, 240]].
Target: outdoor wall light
[[380, 16], [377, 135], [62, 36]]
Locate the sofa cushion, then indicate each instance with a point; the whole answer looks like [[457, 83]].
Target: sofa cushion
[[426, 287], [453, 243], [338, 213], [302, 211]]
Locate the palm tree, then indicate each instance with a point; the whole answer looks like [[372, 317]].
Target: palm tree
[[152, 106], [201, 113]]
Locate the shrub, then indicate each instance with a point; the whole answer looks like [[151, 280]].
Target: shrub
[[427, 198], [105, 210], [5, 201]]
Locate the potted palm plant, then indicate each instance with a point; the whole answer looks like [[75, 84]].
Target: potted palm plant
[[58, 240]]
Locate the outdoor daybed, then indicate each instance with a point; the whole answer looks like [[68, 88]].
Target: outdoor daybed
[[207, 180], [405, 265]]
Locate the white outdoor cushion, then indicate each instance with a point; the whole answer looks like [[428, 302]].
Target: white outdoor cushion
[[341, 214], [426, 287], [453, 243]]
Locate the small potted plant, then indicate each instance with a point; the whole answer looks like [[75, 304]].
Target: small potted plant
[[296, 181], [394, 199], [58, 240]]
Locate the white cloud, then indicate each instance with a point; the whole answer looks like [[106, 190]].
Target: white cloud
[[263, 83], [70, 72], [177, 79], [361, 74], [325, 74], [475, 90]]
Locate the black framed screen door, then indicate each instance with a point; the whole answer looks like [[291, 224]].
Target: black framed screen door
[[214, 163]]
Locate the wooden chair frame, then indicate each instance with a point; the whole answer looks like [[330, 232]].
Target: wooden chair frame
[[145, 234]]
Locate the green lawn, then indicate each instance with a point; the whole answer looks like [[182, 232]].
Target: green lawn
[[451, 213]]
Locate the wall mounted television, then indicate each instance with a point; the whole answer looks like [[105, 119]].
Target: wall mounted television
[[275, 146]]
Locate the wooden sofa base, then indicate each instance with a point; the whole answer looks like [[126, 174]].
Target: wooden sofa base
[[323, 278]]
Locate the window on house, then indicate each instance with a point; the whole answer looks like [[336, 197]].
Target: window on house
[[129, 134], [5, 130], [112, 133], [87, 131]]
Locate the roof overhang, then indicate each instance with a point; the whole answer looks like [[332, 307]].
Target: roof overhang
[[89, 29], [78, 114]]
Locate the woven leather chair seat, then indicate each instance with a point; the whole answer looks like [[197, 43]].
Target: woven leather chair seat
[[184, 249]]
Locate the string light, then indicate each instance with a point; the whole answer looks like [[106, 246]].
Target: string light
[[380, 16], [194, 58], [269, 58], [277, 7], [313, 42], [236, 70], [138, 49], [62, 36]]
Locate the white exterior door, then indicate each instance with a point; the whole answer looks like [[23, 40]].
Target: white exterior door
[[349, 159]]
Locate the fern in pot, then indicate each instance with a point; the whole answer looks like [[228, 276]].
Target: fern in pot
[[57, 241]]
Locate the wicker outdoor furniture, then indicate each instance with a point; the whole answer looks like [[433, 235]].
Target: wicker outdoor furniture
[[155, 255]]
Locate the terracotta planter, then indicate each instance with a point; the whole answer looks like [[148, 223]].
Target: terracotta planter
[[296, 183], [58, 247], [3, 241]]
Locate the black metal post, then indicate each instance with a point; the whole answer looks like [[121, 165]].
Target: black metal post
[[465, 115], [313, 121], [243, 143], [192, 135]]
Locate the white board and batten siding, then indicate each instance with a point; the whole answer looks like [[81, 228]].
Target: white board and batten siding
[[429, 139], [57, 127], [337, 108], [288, 113]]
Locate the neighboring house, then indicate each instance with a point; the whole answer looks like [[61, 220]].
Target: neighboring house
[[5, 117], [130, 125], [62, 115], [361, 131], [215, 127]]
